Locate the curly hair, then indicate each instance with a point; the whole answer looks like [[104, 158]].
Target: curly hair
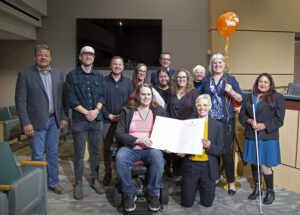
[[189, 85]]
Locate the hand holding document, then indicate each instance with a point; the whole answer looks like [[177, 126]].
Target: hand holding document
[[178, 136]]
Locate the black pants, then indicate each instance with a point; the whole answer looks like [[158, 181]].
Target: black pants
[[226, 155], [109, 134], [196, 176], [176, 164]]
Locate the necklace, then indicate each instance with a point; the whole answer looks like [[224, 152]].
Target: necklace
[[143, 114]]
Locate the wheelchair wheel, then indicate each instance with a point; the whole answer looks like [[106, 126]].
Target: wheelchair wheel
[[117, 197], [164, 195]]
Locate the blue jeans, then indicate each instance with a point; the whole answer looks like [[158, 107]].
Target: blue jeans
[[151, 157], [47, 140], [80, 132]]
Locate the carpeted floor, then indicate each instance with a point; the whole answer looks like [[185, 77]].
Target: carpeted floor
[[286, 202]]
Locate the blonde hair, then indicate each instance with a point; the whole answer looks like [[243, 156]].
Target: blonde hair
[[189, 84], [202, 97]]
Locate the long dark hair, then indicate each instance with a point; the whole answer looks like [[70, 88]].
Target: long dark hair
[[267, 96], [135, 102]]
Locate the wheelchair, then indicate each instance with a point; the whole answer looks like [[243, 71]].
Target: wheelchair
[[139, 173]]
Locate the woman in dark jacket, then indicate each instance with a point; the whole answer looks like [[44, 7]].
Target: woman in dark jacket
[[269, 111], [181, 105], [200, 172], [224, 90], [133, 135]]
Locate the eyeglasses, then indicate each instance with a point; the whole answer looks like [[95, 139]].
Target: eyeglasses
[[181, 77], [167, 59], [142, 71]]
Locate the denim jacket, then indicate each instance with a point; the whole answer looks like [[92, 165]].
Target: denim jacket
[[85, 89]]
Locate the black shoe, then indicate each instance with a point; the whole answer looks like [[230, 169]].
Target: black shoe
[[97, 187], [107, 179], [270, 197], [129, 204], [77, 191], [230, 191], [154, 204], [255, 193]]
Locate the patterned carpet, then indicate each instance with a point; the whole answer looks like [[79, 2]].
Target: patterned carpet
[[286, 202]]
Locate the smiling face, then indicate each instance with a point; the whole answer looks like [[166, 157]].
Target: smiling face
[[117, 66], [203, 107], [165, 60], [263, 84], [199, 75], [145, 96], [181, 79], [163, 79], [43, 58], [142, 73], [218, 66]]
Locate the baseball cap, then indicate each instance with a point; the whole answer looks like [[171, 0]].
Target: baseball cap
[[87, 49]]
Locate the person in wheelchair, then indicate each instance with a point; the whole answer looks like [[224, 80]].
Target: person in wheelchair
[[132, 134]]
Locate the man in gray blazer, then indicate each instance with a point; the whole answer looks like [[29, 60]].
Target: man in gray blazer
[[38, 101]]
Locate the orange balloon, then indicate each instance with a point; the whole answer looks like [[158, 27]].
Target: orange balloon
[[227, 23]]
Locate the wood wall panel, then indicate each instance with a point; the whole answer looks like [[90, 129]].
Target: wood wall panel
[[287, 177], [298, 147], [288, 138]]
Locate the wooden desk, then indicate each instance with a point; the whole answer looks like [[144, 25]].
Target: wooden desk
[[287, 174]]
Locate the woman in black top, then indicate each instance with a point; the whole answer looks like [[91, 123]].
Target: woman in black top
[[269, 111], [163, 87], [181, 105]]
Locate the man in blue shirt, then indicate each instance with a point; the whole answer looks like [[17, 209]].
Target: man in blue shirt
[[86, 97], [117, 90], [38, 98], [165, 63]]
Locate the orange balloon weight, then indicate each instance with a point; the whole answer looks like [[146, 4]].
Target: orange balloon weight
[[227, 23]]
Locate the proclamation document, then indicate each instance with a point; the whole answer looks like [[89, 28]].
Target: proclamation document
[[178, 136]]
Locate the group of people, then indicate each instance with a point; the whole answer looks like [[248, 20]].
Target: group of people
[[116, 108]]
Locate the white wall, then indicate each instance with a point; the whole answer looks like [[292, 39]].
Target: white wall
[[185, 33]]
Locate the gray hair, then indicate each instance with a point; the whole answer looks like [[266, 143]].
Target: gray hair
[[39, 47], [198, 68], [203, 96], [217, 56]]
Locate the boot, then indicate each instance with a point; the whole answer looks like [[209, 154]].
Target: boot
[[270, 196], [255, 192]]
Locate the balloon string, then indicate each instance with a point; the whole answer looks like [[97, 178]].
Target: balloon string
[[226, 51]]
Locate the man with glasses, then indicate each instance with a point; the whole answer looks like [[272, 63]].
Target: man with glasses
[[165, 63]]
